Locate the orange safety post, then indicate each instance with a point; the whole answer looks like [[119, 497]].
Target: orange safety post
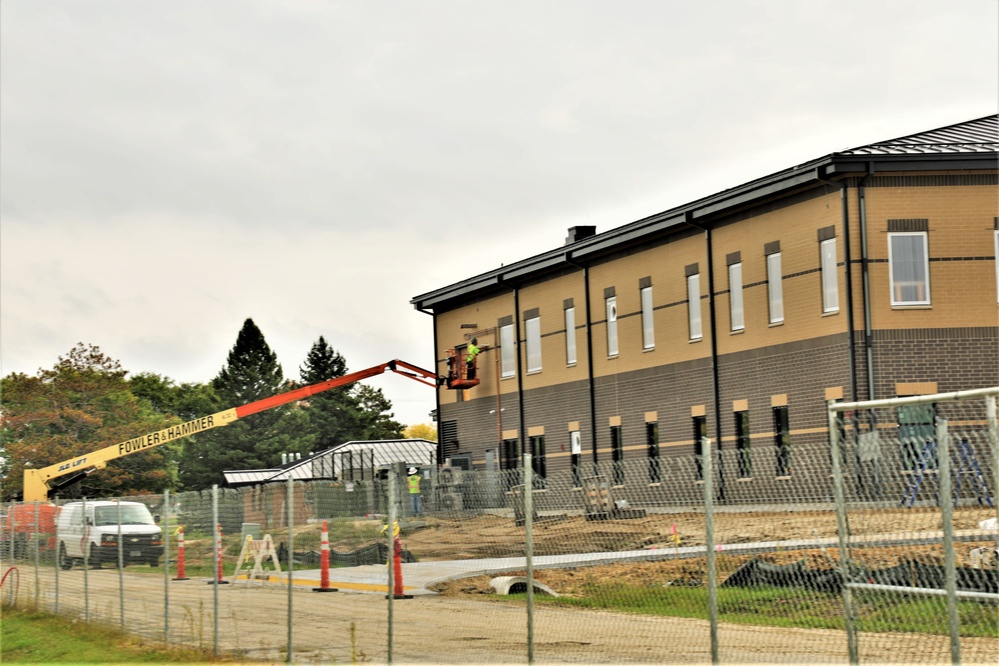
[[324, 563], [181, 574], [397, 571], [218, 549]]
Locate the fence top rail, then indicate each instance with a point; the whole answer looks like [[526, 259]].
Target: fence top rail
[[914, 399]]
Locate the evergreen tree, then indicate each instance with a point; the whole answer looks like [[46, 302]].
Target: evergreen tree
[[352, 412], [332, 414], [251, 373]]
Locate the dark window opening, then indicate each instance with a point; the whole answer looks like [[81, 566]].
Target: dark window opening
[[652, 438], [617, 455], [700, 432], [782, 441], [742, 445]]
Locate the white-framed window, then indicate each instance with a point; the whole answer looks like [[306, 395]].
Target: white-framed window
[[648, 327], [508, 351], [532, 328], [694, 305], [775, 288], [570, 336], [909, 267], [736, 311], [830, 281], [612, 349]]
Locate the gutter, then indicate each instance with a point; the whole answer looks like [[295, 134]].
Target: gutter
[[865, 263], [590, 387], [851, 345], [716, 388], [437, 391]]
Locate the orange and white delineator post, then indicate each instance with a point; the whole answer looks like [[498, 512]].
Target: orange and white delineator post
[[324, 563], [218, 550], [181, 574]]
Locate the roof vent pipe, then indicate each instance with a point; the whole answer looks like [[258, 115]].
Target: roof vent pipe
[[579, 233]]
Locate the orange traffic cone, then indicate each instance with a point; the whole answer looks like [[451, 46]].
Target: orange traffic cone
[[181, 574], [324, 564]]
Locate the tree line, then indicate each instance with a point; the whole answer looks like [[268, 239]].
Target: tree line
[[87, 401]]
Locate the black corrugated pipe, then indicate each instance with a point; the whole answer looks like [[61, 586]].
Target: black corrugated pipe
[[437, 390], [688, 218], [589, 361], [847, 259]]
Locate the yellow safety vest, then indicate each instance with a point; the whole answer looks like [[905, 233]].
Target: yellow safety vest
[[414, 484]]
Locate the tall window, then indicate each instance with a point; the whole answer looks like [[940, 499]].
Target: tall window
[[742, 445], [575, 450], [652, 439], [617, 455], [694, 305], [782, 441], [648, 327], [775, 288], [830, 281], [997, 263], [910, 269], [539, 464], [570, 335], [611, 326], [532, 327], [736, 311], [508, 351], [700, 432]]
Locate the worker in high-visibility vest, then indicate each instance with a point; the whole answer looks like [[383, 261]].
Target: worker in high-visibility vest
[[415, 498], [470, 353]]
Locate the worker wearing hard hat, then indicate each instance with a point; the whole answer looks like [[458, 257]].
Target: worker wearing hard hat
[[415, 499], [470, 353]]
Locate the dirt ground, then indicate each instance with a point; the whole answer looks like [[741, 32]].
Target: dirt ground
[[466, 624]]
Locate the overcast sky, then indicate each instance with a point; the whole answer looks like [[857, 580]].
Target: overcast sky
[[168, 169]]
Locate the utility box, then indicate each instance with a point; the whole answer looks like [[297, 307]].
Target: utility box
[[251, 529]]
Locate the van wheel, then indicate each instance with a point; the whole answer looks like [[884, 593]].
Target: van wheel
[[95, 557], [65, 562]]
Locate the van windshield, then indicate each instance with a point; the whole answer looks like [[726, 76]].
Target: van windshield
[[131, 514]]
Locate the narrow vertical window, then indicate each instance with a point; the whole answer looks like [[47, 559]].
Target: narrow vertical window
[[575, 450], [532, 329], [694, 305], [648, 327], [612, 326], [700, 432], [539, 464], [909, 268], [570, 336], [997, 263], [830, 281], [652, 439], [782, 441], [508, 359], [617, 455], [736, 312], [775, 288], [742, 445]]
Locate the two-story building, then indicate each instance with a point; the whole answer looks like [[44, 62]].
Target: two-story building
[[866, 273]]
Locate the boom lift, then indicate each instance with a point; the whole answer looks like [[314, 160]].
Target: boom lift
[[39, 483]]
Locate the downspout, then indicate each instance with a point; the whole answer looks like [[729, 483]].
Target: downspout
[[865, 272], [847, 258], [437, 390], [688, 218], [589, 360], [521, 433]]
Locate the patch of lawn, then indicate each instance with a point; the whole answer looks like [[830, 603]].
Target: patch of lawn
[[28, 637], [787, 607]]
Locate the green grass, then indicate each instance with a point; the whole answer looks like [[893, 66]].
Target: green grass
[[784, 607], [28, 637]]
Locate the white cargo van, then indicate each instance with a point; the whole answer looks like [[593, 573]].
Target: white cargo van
[[90, 529]]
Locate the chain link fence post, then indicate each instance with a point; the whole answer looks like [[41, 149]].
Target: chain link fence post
[[529, 549], [839, 494], [709, 545]]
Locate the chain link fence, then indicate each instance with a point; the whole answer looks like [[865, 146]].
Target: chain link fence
[[846, 556]]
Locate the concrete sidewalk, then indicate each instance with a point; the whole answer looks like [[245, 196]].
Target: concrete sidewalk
[[418, 577]]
